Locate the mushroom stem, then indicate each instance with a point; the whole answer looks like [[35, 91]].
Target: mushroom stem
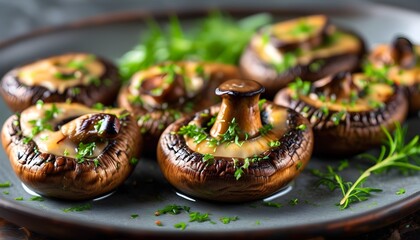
[[240, 104]]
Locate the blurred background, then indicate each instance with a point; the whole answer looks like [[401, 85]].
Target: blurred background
[[21, 16]]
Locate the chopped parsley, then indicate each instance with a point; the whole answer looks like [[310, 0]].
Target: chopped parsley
[[134, 161], [272, 204], [274, 143], [208, 158], [37, 198], [294, 202], [338, 116], [19, 198], [302, 127], [265, 129], [300, 87], [227, 220], [100, 126], [134, 216], [193, 131], [79, 208], [65, 76], [172, 209], [400, 191], [302, 28], [85, 150], [39, 125], [199, 217], [180, 225], [288, 61], [5, 184]]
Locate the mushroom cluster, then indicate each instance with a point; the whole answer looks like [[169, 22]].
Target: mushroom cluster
[[75, 77], [324, 94], [308, 47], [398, 62], [70, 151], [240, 150], [164, 93]]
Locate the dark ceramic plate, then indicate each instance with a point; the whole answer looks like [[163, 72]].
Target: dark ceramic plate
[[146, 191]]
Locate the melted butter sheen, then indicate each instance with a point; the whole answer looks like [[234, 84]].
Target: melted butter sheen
[[44, 72], [345, 43], [54, 142]]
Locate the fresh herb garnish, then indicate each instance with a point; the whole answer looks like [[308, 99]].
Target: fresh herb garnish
[[199, 217], [265, 129], [338, 116], [394, 154], [208, 158], [217, 38], [85, 150], [5, 184], [272, 204], [180, 225], [79, 208], [288, 61], [400, 191], [134, 161], [299, 87], [301, 127], [37, 198], [134, 216], [100, 126], [302, 28], [293, 202], [39, 125], [172, 209], [274, 143], [193, 131], [19, 198], [227, 220]]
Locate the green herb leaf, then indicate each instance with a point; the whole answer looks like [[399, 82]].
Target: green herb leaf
[[5, 184], [400, 191], [227, 220], [79, 208], [180, 225], [216, 38], [199, 217], [172, 209]]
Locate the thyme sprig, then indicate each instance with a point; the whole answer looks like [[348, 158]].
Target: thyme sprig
[[395, 154]]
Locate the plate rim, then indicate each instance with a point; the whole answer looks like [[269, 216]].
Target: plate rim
[[370, 220]]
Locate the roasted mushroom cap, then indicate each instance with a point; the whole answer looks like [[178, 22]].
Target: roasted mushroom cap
[[75, 77], [241, 150], [398, 62], [69, 151], [347, 111], [162, 94], [307, 47]]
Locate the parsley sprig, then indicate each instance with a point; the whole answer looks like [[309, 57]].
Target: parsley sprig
[[217, 38], [394, 154]]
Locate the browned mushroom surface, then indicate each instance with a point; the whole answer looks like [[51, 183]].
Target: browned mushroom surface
[[398, 62], [164, 93], [347, 111], [75, 77], [70, 151], [309, 47], [241, 150]]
